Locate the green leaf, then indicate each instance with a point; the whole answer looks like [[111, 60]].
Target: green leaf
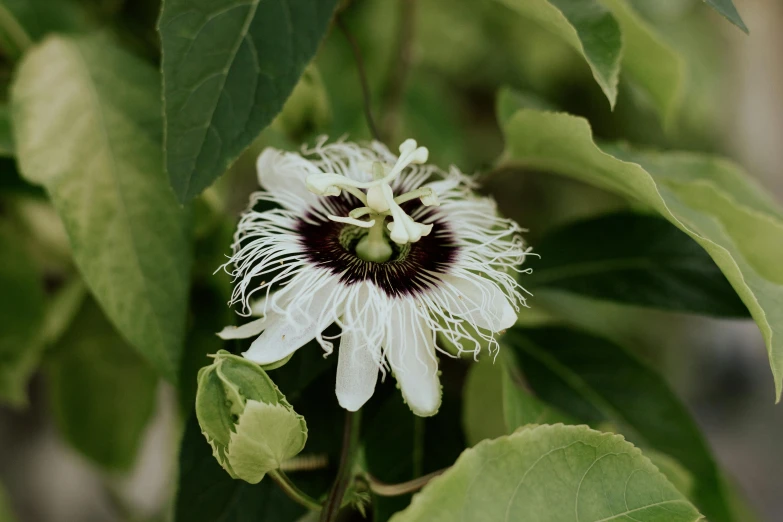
[[266, 435], [87, 122], [551, 473], [595, 381], [634, 259], [23, 22], [227, 70], [101, 392], [509, 100], [651, 64], [727, 9], [6, 514], [710, 199], [520, 406], [21, 318], [6, 139], [588, 27], [482, 402], [207, 494], [680, 477]]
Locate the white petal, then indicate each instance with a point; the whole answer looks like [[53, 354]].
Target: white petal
[[410, 349], [308, 316], [283, 174], [479, 300], [357, 371], [244, 331]]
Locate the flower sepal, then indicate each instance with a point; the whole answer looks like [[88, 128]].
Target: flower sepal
[[248, 422]]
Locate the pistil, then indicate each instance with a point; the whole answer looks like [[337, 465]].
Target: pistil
[[374, 246]]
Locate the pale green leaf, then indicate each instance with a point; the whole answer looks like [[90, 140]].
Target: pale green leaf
[[87, 127], [709, 199], [551, 474], [21, 317], [588, 27], [228, 67], [729, 11], [266, 435], [651, 64], [101, 392]]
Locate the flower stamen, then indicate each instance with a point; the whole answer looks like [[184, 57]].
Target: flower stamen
[[380, 202]]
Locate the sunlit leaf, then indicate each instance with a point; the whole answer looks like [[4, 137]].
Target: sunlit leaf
[[551, 473], [21, 317], [711, 200], [227, 70], [634, 259], [101, 392], [87, 127], [596, 381]]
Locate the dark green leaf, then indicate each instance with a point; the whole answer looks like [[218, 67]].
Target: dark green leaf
[[635, 259], [482, 412], [227, 70], [101, 392], [6, 139], [520, 406], [21, 317], [595, 381], [727, 9], [87, 127], [23, 22]]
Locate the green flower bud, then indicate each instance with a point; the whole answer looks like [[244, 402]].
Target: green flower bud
[[251, 427]]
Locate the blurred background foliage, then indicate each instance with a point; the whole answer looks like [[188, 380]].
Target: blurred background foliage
[[465, 62]]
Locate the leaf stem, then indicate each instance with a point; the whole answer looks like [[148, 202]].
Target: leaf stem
[[357, 55], [400, 68], [290, 489], [393, 490], [345, 471]]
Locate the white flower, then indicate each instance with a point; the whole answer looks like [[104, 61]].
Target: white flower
[[392, 250]]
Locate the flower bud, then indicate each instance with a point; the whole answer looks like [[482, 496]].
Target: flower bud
[[251, 427]]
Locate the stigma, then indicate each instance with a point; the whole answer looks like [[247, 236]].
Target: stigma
[[379, 202]]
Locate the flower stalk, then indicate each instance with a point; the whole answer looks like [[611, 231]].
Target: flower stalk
[[293, 492], [345, 471]]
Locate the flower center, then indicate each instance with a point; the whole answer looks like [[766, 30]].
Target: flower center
[[380, 203]]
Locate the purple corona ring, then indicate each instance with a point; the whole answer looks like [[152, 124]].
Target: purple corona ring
[[400, 254]]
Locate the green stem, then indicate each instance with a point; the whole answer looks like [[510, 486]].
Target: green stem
[[290, 489], [14, 32], [357, 56], [392, 490], [345, 471]]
